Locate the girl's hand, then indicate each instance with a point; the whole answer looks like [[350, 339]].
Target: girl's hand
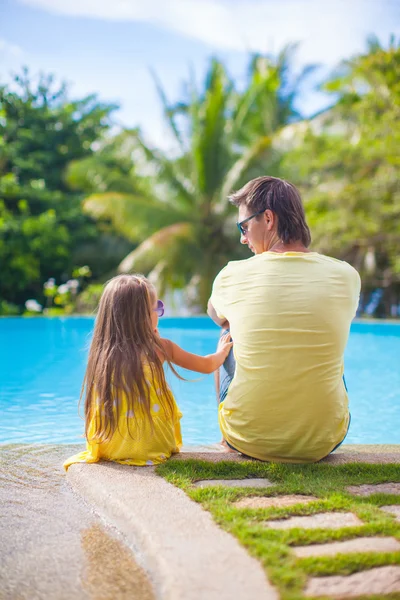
[[224, 345]]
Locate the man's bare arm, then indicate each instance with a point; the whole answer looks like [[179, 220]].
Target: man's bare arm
[[213, 315]]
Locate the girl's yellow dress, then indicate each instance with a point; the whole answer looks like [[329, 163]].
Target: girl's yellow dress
[[144, 445]]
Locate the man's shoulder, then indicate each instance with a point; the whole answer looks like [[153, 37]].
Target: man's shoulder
[[340, 265], [233, 266], [342, 271]]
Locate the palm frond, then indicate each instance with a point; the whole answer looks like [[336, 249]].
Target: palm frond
[[169, 111], [240, 166], [157, 247], [209, 148], [133, 216], [170, 173]]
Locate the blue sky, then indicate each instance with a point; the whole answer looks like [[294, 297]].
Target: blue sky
[[109, 46]]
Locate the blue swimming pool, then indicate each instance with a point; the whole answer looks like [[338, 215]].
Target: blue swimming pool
[[42, 363]]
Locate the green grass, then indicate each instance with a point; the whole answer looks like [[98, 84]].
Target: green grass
[[272, 547]]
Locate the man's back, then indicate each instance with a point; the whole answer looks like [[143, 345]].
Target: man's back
[[289, 316]]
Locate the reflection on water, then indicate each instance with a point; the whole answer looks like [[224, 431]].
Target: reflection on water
[[52, 545]]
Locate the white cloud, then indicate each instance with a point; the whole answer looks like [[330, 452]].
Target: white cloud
[[327, 31], [9, 51]]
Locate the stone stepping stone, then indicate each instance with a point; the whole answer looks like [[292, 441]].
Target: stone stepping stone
[[393, 509], [334, 520], [364, 544], [377, 488], [277, 501], [382, 580], [241, 483]]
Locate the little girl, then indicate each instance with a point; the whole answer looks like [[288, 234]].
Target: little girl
[[131, 416]]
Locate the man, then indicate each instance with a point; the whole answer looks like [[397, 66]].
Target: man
[[282, 392]]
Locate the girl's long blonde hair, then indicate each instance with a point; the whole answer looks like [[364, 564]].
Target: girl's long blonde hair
[[123, 343]]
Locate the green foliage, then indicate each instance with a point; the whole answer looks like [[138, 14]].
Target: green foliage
[[42, 226], [88, 300], [42, 131], [7, 309], [347, 163], [30, 247]]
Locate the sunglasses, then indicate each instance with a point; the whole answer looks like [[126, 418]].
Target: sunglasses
[[240, 224], [160, 308]]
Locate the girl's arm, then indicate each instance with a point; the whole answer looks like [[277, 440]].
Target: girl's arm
[[194, 362]]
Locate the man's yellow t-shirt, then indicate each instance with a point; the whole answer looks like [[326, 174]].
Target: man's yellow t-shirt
[[289, 317]]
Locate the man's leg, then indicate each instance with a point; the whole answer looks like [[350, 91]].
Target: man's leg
[[224, 375]]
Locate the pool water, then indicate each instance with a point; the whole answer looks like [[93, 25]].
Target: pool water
[[42, 363]]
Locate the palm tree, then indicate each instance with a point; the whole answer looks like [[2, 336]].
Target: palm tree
[[177, 208]]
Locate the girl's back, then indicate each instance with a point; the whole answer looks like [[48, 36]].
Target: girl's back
[[136, 440]]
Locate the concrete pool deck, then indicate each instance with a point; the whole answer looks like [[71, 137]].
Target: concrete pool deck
[[347, 453], [186, 555], [113, 532]]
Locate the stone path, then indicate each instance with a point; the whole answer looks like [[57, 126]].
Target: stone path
[[382, 580], [377, 488], [335, 520], [362, 544], [393, 509], [278, 501], [241, 483]]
